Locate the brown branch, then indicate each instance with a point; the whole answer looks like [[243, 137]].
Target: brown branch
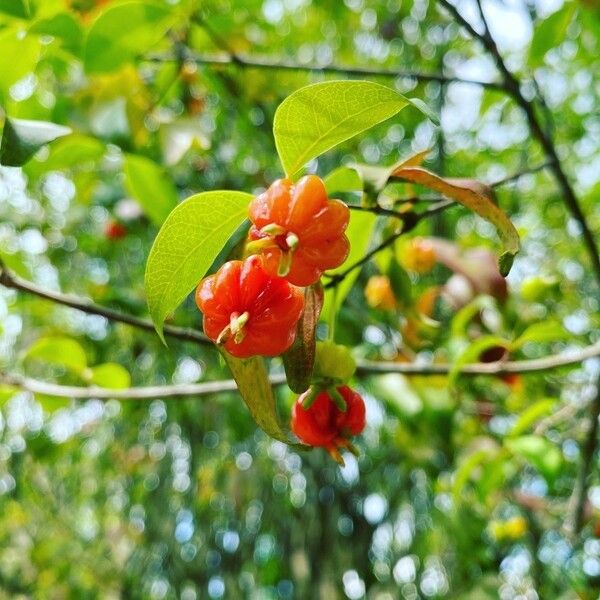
[[248, 62], [364, 367], [12, 281], [409, 222]]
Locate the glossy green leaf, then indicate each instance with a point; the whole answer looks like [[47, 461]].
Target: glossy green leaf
[[150, 185], [21, 139], [6, 393], [299, 360], [545, 331], [318, 117], [548, 31], [186, 246], [75, 150], [466, 469], [19, 57], [531, 415], [63, 26], [15, 8], [58, 350], [342, 179], [253, 384], [109, 375], [124, 31], [540, 452]]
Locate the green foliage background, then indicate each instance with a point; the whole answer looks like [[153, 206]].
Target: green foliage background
[[186, 498]]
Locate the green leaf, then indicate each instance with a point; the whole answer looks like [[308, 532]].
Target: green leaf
[[68, 152], [253, 384], [359, 233], [63, 26], [546, 331], [299, 360], [474, 196], [150, 185], [52, 403], [6, 393], [540, 452], [531, 414], [15, 8], [466, 469], [123, 32], [318, 117], [186, 246], [109, 375], [21, 139], [342, 179], [19, 57], [549, 32], [58, 350]]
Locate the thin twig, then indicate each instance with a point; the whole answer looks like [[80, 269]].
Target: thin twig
[[364, 367], [284, 65], [12, 281], [409, 222]]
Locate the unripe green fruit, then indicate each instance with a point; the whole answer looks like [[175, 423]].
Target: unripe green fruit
[[333, 361]]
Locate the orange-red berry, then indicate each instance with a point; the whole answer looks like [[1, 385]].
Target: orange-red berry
[[298, 230], [248, 310]]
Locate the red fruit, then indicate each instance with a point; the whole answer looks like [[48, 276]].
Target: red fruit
[[248, 310], [318, 424], [324, 424], [299, 232], [354, 417], [115, 230]]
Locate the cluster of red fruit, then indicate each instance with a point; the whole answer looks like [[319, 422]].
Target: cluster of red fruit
[[252, 307]]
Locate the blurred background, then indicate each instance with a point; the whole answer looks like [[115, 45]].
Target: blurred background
[[459, 491]]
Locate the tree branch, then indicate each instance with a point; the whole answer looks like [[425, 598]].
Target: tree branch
[[12, 281], [364, 367], [247, 62], [512, 86], [409, 222]]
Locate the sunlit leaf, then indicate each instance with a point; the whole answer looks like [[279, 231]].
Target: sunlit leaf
[[466, 469], [15, 8], [545, 331], [19, 57], [124, 31], [540, 452], [531, 415], [58, 350], [110, 375], [476, 197], [21, 139], [318, 117], [342, 179], [299, 360], [186, 246], [253, 384], [72, 151], [63, 26], [150, 185], [548, 31]]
